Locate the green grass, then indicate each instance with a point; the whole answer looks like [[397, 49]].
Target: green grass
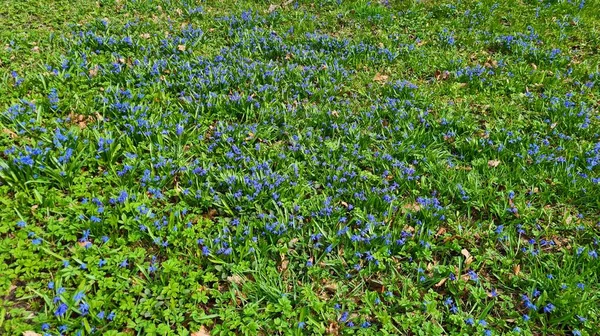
[[352, 167]]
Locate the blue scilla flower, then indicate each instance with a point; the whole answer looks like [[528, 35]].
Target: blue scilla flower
[[53, 98], [61, 310]]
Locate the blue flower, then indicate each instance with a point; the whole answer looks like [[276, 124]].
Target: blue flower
[[61, 310], [78, 296]]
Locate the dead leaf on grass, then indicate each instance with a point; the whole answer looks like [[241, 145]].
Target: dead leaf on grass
[[441, 282], [380, 78], [493, 163], [202, 332], [236, 279], [31, 333], [467, 255], [10, 133]]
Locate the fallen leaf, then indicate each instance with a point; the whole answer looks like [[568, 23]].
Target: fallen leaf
[[284, 263], [145, 36], [331, 287], [335, 113], [439, 75], [10, 133], [202, 332], [93, 71], [493, 163], [236, 279], [412, 206], [517, 269], [333, 329], [181, 47], [441, 282], [467, 255], [272, 8], [441, 231], [380, 78], [31, 333]]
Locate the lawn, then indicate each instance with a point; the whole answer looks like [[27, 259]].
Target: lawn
[[172, 167]]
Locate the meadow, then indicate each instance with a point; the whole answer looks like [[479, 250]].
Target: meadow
[[173, 167]]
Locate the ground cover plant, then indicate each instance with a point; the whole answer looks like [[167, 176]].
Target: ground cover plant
[[299, 168]]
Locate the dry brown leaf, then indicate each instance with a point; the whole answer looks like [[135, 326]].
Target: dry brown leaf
[[181, 47], [331, 287], [380, 78], [93, 71], [236, 279], [335, 113], [412, 206], [202, 332], [517, 269], [10, 133], [493, 163], [439, 75], [145, 36], [31, 333], [441, 231], [467, 255], [491, 63], [284, 263], [441, 282], [333, 329], [272, 8]]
